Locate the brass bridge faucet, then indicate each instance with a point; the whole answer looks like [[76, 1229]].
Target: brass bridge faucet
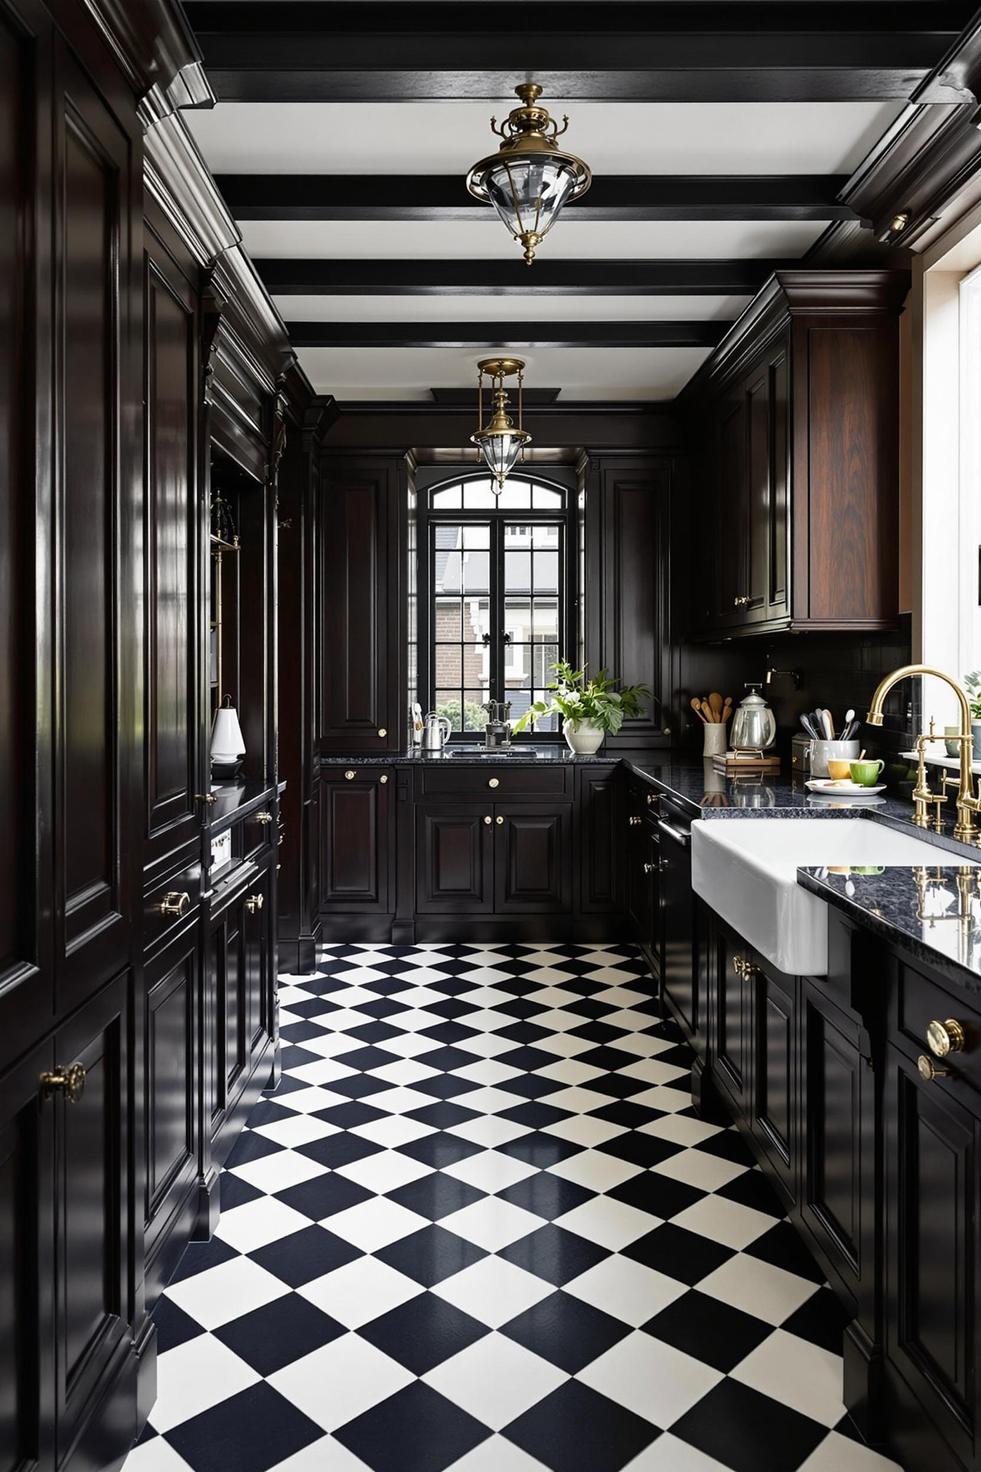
[[967, 803]]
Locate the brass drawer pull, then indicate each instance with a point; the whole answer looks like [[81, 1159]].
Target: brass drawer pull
[[499, 822], [175, 902], [743, 967], [69, 1081], [255, 902], [383, 780], [651, 868], [742, 602], [928, 1070], [263, 818], [382, 732], [634, 821], [653, 798], [945, 1037], [494, 782], [350, 775], [206, 797]]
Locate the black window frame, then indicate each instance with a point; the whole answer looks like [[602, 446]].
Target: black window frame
[[566, 518]]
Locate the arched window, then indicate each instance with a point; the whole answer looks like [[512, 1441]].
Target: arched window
[[498, 573]]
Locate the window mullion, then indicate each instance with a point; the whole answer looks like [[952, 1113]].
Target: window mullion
[[497, 609]]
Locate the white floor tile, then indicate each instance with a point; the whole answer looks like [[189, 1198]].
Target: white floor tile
[[668, 1454], [583, 1129], [611, 1223], [757, 1288], [570, 1071], [315, 1096], [491, 1223], [278, 1171], [359, 1292], [680, 1129], [493, 1291], [155, 1456], [258, 1223], [400, 1100], [404, 1071], [220, 1294], [626, 1290], [798, 1374], [840, 1454], [300, 1129], [495, 1380], [724, 1221], [375, 1223], [595, 1171], [341, 1381], [706, 1172], [386, 1170], [650, 1378], [325, 1455], [489, 1130], [195, 1376], [393, 1130], [497, 1454], [487, 1071], [491, 1170]]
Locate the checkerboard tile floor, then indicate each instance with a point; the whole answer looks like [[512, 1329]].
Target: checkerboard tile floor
[[479, 1228]]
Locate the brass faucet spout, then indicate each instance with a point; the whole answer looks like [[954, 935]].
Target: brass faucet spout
[[967, 803]]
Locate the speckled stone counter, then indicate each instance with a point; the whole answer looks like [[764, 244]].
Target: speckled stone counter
[[934, 913]]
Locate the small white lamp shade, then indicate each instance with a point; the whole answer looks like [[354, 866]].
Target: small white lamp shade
[[227, 742]]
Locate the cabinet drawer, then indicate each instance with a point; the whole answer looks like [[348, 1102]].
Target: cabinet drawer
[[494, 782], [919, 1000], [170, 904], [258, 833]]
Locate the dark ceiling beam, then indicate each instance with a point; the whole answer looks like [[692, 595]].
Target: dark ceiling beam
[[507, 334], [612, 197], [731, 51], [513, 278]]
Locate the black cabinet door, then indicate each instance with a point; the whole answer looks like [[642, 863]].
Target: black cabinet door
[[598, 841], [259, 949], [838, 1180], [641, 886], [168, 1113], [932, 1205], [363, 631], [774, 1119], [454, 858], [732, 1019], [173, 697], [532, 859], [92, 1211], [26, 1259], [357, 846], [677, 909]]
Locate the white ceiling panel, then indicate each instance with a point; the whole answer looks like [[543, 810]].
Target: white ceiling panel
[[353, 374], [510, 308], [622, 138], [571, 239]]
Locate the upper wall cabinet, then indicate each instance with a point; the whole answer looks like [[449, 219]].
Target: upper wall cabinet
[[796, 422], [363, 618]]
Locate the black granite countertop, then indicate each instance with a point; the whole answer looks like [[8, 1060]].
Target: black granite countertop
[[518, 755], [935, 913]]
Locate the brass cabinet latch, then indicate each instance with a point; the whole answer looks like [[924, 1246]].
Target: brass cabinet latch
[[264, 818], [945, 1037], [206, 797], [68, 1081], [255, 902], [175, 902]]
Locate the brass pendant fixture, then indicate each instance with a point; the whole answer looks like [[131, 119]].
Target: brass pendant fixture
[[500, 440], [529, 180]]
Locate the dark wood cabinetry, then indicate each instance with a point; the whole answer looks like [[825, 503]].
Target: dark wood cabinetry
[[363, 686], [356, 829], [454, 858], [774, 1116], [797, 411]]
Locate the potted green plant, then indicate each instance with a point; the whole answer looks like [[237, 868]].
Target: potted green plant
[[972, 684], [590, 708]]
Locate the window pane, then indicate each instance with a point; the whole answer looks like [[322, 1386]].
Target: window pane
[[447, 703], [476, 619], [517, 619], [546, 572], [474, 715], [546, 537], [545, 723], [447, 499], [477, 535], [544, 498], [448, 621], [546, 620], [476, 571], [517, 572], [478, 496], [515, 496], [545, 655], [448, 665]]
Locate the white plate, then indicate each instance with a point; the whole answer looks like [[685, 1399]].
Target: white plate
[[841, 787]]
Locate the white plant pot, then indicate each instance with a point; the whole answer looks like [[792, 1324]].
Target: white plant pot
[[583, 737]]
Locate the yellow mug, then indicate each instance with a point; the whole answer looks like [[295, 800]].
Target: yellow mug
[[838, 769]]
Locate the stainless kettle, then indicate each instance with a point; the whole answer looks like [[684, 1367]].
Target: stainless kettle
[[754, 727], [435, 732]]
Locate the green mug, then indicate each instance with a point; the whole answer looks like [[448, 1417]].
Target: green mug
[[866, 774]]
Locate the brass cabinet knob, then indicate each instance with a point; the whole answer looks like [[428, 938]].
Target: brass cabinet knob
[[500, 822], [350, 775], [653, 798], [206, 797], [945, 1037], [488, 820], [494, 782], [650, 868], [382, 732], [68, 1081], [741, 602], [255, 902], [928, 1070], [743, 967], [383, 780], [263, 818], [633, 821], [175, 902]]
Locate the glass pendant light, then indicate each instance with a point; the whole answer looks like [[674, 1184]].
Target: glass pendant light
[[529, 180], [500, 440]]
